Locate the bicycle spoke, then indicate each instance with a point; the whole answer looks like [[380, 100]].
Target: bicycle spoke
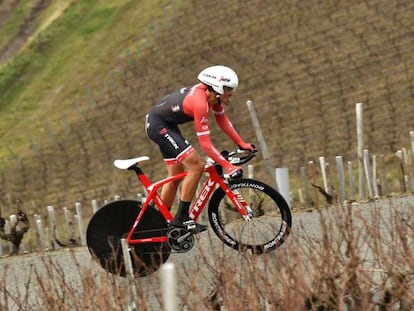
[[261, 228]]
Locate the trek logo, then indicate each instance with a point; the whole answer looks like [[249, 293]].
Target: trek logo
[[222, 78], [171, 140], [208, 187], [209, 76], [164, 133]]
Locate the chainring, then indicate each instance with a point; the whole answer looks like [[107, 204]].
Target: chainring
[[180, 240]]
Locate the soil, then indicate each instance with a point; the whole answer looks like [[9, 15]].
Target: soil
[[26, 29]]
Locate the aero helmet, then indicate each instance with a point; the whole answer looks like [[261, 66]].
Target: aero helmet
[[217, 77]]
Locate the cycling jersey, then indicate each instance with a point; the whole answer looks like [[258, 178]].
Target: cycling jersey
[[185, 105]]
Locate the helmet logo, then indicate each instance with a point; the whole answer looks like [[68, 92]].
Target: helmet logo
[[224, 79], [209, 76], [218, 77]]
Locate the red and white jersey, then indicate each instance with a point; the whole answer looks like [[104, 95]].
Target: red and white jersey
[[190, 104]]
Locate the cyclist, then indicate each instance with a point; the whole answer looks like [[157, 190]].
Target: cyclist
[[217, 86]]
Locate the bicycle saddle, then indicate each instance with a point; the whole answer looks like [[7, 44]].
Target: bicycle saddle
[[128, 163]]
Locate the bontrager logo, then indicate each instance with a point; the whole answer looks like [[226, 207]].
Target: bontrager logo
[[247, 185], [220, 231], [279, 238]]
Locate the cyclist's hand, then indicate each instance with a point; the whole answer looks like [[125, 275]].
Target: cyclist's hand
[[245, 146], [235, 172], [21, 216]]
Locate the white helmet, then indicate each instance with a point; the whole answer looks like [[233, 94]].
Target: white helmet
[[219, 76]]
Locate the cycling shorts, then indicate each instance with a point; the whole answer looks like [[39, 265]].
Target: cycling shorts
[[173, 146]]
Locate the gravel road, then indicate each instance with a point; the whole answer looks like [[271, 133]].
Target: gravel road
[[18, 271]]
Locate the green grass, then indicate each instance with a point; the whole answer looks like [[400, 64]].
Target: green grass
[[11, 28], [56, 54], [61, 59]]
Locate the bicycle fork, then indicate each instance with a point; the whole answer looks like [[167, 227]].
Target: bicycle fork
[[241, 204]]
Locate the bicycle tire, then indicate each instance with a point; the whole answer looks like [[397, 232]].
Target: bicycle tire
[[111, 223], [268, 227]]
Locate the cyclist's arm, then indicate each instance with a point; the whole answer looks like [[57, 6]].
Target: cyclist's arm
[[226, 126], [202, 128], [211, 151], [195, 104]]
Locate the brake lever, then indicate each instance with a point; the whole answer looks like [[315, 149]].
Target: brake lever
[[242, 151], [234, 160], [239, 160]]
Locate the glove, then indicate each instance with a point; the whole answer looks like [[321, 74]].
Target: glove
[[21, 216], [245, 146], [235, 172]]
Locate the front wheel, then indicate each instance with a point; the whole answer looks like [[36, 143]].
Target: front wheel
[[270, 220]]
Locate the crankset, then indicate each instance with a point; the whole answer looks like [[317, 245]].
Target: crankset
[[180, 240]]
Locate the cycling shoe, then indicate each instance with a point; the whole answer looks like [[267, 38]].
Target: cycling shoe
[[190, 225]]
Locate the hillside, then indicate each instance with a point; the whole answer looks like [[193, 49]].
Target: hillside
[[74, 95]]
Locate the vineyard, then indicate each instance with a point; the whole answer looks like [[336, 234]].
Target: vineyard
[[304, 64], [332, 83]]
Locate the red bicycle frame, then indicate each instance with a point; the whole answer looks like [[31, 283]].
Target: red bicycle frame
[[197, 207]]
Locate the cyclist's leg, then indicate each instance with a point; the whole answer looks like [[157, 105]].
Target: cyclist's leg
[[195, 167], [177, 153], [169, 190], [170, 141]]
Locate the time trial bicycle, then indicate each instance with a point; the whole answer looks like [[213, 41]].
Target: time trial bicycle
[[245, 214]]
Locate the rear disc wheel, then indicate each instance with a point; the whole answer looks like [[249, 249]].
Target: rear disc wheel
[[112, 222]]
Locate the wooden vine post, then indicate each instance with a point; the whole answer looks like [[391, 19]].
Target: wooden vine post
[[263, 147]]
